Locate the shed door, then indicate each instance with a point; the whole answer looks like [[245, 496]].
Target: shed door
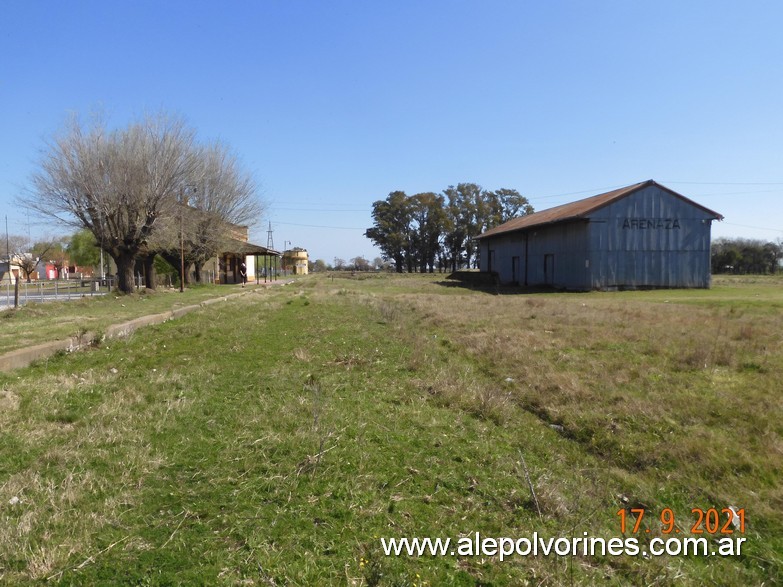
[[549, 269]]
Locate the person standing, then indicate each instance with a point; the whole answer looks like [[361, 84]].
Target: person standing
[[243, 274]]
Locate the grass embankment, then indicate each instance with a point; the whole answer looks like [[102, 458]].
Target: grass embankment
[[274, 439], [35, 322]]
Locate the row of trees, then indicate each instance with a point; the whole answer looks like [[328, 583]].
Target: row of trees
[[743, 256], [79, 250], [424, 230], [354, 264], [145, 190]]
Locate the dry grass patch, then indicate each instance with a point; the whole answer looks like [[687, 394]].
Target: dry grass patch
[[681, 396], [9, 401], [82, 434]]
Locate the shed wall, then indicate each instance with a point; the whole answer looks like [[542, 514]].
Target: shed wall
[[650, 239], [553, 255], [557, 256], [501, 255]]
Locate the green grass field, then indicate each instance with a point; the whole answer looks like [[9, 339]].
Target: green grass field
[[34, 322], [276, 438]]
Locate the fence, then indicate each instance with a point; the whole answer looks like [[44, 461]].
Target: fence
[[51, 291]]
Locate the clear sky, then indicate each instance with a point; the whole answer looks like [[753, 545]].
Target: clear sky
[[334, 104]]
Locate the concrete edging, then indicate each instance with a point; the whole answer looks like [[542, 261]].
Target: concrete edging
[[20, 358]]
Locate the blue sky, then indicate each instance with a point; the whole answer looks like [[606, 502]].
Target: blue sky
[[335, 104]]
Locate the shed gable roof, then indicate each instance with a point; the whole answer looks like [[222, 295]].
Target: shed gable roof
[[581, 209]]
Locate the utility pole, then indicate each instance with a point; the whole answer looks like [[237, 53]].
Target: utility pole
[[270, 245], [8, 255], [181, 243], [183, 204], [14, 273], [286, 244], [181, 254]]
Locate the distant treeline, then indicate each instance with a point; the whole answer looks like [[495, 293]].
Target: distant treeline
[[428, 230], [742, 255]]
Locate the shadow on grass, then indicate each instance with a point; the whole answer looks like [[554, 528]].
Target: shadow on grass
[[490, 283]]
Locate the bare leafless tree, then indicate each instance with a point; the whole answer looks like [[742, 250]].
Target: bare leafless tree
[[221, 194], [26, 254], [225, 195], [118, 184]]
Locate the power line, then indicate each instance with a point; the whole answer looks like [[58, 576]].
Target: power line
[[591, 191], [726, 182], [754, 227], [321, 226], [322, 209], [744, 193]]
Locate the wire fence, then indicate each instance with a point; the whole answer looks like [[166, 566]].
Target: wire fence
[[54, 291], [74, 289]]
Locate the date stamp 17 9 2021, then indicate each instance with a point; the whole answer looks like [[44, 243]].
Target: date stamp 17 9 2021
[[711, 521]]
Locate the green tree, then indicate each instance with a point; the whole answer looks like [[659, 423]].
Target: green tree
[[463, 208], [415, 231], [392, 229], [506, 204], [429, 222], [83, 249], [742, 256], [165, 270], [472, 210]]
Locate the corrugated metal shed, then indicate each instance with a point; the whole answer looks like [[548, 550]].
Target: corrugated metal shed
[[642, 235]]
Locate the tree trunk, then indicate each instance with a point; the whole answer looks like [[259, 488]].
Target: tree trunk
[[150, 277], [126, 262], [197, 272]]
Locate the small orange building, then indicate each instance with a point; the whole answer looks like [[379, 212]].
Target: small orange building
[[296, 261]]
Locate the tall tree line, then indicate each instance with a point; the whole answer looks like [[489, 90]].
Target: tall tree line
[[144, 190], [425, 230]]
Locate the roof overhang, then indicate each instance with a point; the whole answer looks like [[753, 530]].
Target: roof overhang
[[238, 247]]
